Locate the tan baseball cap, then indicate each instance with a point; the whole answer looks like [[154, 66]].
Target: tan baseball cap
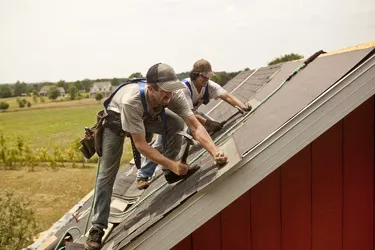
[[202, 66], [164, 76]]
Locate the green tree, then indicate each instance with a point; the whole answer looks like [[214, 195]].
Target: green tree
[[34, 88], [285, 58], [5, 91], [223, 77], [53, 93], [99, 96], [73, 92], [87, 84], [78, 85], [216, 78], [17, 222], [183, 75], [115, 82], [135, 75], [62, 84], [4, 106], [20, 88]]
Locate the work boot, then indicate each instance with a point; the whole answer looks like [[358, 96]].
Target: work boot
[[94, 241], [172, 177], [142, 183]]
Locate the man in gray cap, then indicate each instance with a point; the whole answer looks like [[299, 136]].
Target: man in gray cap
[[136, 109]]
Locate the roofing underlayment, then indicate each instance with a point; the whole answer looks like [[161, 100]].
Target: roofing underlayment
[[295, 114]]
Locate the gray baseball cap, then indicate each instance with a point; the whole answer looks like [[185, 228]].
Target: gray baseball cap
[[164, 76]]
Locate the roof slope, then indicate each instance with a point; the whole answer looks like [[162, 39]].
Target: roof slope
[[164, 214]]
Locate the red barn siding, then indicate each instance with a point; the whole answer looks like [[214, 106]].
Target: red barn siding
[[185, 244], [208, 236], [322, 198], [265, 213], [327, 190], [235, 224], [358, 179], [296, 202]]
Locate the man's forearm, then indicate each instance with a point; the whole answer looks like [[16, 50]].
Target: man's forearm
[[201, 135], [232, 100], [153, 155]]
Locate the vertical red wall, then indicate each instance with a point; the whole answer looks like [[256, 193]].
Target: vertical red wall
[[358, 178], [265, 213], [235, 224], [296, 201], [327, 190], [321, 198]]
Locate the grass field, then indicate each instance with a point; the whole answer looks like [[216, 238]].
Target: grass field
[[52, 193], [45, 127], [59, 102]]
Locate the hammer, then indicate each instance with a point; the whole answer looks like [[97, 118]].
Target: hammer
[[189, 141], [172, 177], [240, 111]]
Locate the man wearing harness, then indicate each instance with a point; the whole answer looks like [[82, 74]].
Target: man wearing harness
[[199, 89], [126, 114]]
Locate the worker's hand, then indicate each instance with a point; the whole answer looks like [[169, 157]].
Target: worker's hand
[[220, 159], [212, 126], [179, 168], [247, 107]]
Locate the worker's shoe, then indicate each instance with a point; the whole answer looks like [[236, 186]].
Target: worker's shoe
[[172, 177], [94, 241], [142, 183]]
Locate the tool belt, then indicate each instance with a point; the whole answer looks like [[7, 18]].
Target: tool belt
[[92, 141]]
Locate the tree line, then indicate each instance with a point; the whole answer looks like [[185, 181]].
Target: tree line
[[22, 88]]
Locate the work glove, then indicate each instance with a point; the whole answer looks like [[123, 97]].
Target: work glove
[[247, 107], [213, 126]]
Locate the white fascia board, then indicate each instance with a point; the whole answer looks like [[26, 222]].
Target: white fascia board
[[314, 120]]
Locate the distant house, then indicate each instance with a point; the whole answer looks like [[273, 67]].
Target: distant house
[[45, 89], [101, 87], [62, 91]]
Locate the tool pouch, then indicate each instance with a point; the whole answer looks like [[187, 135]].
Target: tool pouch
[[92, 142], [88, 146], [98, 131]]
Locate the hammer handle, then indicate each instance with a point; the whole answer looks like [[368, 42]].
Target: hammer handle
[[186, 153]]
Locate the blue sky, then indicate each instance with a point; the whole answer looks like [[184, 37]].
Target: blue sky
[[48, 40]]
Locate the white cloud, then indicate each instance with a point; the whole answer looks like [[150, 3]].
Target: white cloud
[[230, 9]]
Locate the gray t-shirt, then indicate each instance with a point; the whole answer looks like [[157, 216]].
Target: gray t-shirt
[[195, 99], [128, 103]]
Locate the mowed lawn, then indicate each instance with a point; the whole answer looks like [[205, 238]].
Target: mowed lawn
[[59, 102], [48, 126], [52, 193]]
